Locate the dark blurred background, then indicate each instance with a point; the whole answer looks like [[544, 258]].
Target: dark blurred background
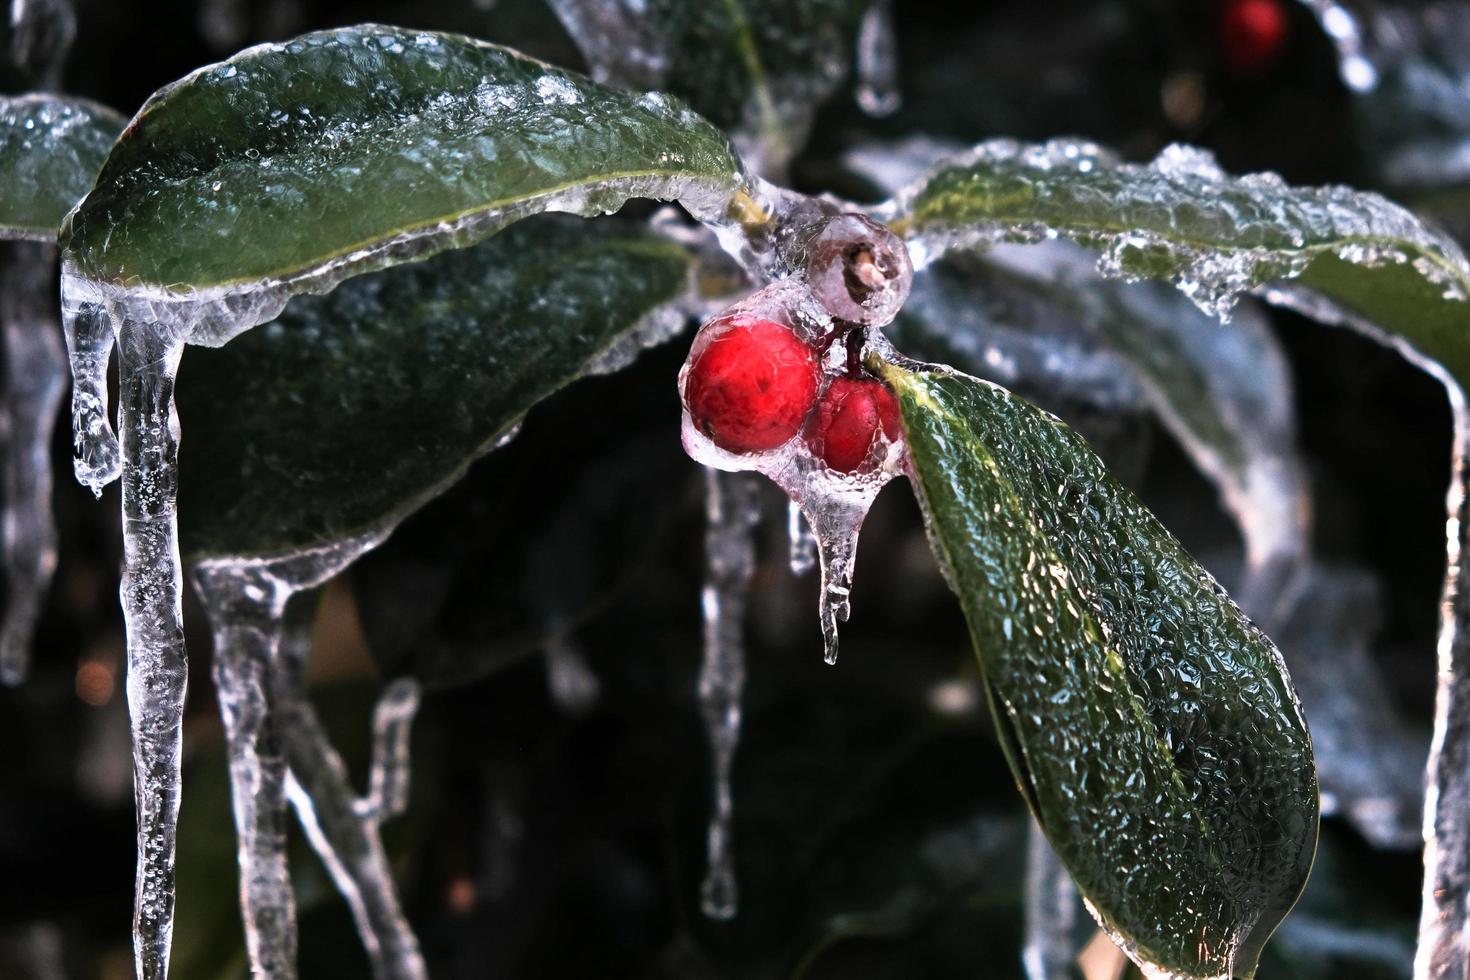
[[878, 832]]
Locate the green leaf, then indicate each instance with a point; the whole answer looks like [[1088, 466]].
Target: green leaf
[[50, 150], [349, 150], [1150, 725], [1182, 220], [352, 409]]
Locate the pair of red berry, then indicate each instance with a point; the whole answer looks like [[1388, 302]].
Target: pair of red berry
[[756, 384]]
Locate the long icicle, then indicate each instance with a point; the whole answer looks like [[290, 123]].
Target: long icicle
[[35, 377], [245, 606], [732, 511], [342, 829], [152, 586], [1444, 925], [1051, 911]]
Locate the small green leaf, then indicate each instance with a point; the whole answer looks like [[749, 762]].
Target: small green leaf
[[348, 150], [50, 150], [352, 409], [1182, 220], [1150, 725]]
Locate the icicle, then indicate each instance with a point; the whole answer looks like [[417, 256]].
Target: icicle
[[245, 607], [574, 687], [802, 544], [877, 60], [1444, 926], [732, 510], [1051, 912], [388, 777], [157, 662], [35, 369], [1346, 33], [89, 342], [344, 835]]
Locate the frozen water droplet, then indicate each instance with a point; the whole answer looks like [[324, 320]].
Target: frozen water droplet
[[859, 270]]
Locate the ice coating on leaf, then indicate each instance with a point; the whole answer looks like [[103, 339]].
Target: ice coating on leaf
[[245, 613], [1150, 725], [402, 378], [51, 147], [732, 512], [1369, 760], [219, 231], [877, 61], [834, 504], [339, 827], [1051, 911], [35, 376], [1178, 218]]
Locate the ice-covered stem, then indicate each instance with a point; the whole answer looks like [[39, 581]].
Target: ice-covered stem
[[388, 775], [732, 510], [346, 839], [89, 343], [151, 589], [1051, 912], [245, 606], [1444, 925], [35, 372]]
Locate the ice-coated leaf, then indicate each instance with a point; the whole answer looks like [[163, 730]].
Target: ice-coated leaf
[[296, 165], [51, 147], [1151, 727], [1181, 219], [758, 67], [353, 408]]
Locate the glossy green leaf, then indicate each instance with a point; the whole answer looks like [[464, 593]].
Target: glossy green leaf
[[50, 150], [353, 408], [1151, 727], [348, 150], [1181, 219]]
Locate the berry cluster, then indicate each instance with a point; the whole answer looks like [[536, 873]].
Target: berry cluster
[[787, 362]]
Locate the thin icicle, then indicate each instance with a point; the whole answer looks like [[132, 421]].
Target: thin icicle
[[388, 776], [1051, 912], [733, 511], [1444, 926], [35, 373], [245, 608], [802, 543], [877, 61], [345, 838], [89, 343], [157, 662]]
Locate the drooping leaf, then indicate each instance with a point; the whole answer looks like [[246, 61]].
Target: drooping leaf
[[51, 147], [351, 409], [1182, 220], [1150, 725], [352, 149]]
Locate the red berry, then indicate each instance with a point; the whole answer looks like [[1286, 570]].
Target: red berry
[[1252, 33], [848, 419], [752, 385]]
